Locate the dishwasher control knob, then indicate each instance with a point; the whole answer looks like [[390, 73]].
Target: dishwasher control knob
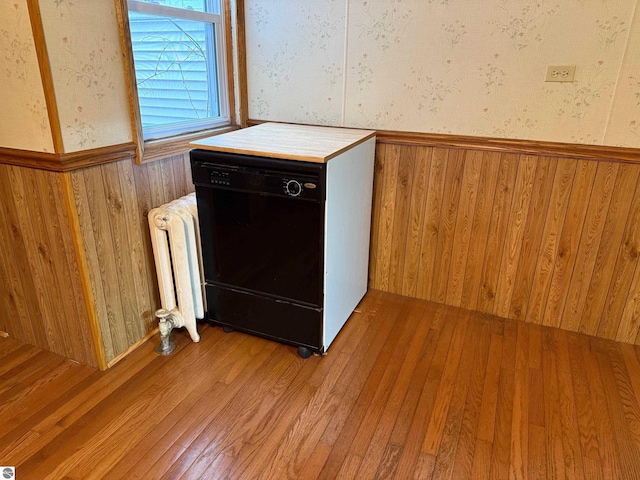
[[293, 188]]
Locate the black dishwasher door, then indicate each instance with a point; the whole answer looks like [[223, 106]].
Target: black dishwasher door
[[261, 224]]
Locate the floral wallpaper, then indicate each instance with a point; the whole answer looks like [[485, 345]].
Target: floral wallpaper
[[88, 74], [449, 66], [624, 123], [24, 123], [297, 60]]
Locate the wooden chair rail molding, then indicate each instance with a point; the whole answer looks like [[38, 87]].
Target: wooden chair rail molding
[[505, 145], [66, 162]]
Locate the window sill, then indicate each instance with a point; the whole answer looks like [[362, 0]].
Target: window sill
[[178, 145]]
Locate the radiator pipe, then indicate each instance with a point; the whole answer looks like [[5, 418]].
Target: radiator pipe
[[169, 319]]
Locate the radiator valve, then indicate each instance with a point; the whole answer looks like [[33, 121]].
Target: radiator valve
[[167, 323]]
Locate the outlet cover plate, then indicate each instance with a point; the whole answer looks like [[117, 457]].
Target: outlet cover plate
[[560, 73]]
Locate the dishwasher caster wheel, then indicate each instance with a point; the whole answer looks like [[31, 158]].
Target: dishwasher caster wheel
[[226, 329], [304, 352]]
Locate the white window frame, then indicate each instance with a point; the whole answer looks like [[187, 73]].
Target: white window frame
[[175, 129]]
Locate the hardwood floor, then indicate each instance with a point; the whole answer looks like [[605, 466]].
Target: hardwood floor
[[410, 389]]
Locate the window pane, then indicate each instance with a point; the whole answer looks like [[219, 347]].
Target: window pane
[[208, 6], [175, 69]]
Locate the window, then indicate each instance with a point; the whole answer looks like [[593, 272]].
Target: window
[[178, 54]]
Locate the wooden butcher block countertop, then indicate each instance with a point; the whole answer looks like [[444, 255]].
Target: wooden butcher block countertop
[[281, 140]]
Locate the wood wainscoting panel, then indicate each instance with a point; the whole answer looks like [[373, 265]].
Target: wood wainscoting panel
[[612, 234], [113, 201], [462, 236], [448, 214], [548, 240], [620, 289], [489, 265], [532, 308], [534, 230], [479, 231], [433, 207], [42, 297], [417, 209]]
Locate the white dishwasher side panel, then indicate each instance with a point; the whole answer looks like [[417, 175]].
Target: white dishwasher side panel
[[347, 231]]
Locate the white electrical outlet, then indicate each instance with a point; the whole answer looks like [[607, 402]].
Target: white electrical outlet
[[560, 73]]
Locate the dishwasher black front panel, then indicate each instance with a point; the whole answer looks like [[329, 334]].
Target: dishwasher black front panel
[[274, 319], [256, 237]]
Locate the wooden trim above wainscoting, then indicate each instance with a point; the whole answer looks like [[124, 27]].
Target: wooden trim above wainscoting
[[26, 158], [66, 162], [97, 156], [505, 145], [516, 146]]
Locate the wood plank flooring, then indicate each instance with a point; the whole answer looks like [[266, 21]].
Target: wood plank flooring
[[410, 389]]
